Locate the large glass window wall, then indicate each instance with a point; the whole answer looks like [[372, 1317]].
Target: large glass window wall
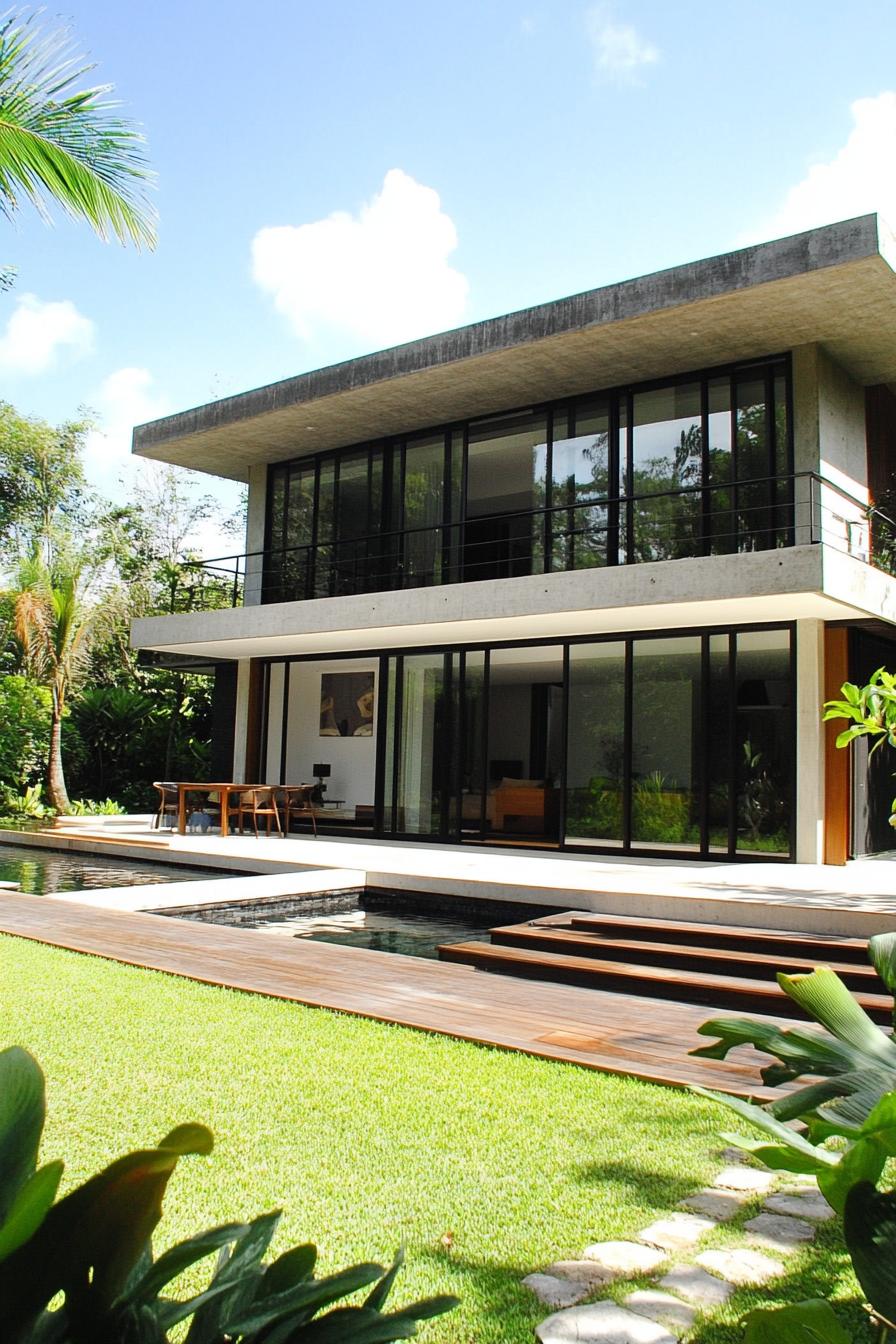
[[696, 465], [681, 742]]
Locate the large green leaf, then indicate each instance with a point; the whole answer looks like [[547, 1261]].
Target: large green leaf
[[869, 1227], [791, 1146], [882, 955], [242, 1277], [180, 1257], [823, 995], [302, 1301], [22, 1113], [293, 1266], [89, 1243], [30, 1207], [812, 1322], [801, 1050]]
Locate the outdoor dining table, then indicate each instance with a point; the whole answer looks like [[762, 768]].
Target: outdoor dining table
[[222, 790]]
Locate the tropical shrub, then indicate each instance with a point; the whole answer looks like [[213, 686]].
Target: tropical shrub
[[852, 1095], [29, 804], [90, 807], [92, 1249], [871, 712], [24, 731]]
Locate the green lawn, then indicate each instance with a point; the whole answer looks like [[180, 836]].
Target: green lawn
[[368, 1134]]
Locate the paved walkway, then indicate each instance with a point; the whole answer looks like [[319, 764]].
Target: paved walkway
[[613, 1033]]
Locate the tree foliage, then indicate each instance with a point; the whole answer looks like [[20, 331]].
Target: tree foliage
[[64, 144]]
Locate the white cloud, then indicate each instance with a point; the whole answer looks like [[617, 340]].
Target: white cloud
[[619, 50], [38, 330], [381, 276], [129, 397], [126, 398], [857, 180]]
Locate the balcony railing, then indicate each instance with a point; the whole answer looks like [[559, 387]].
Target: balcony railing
[[747, 515]]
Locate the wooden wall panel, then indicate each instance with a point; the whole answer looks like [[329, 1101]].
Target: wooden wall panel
[[836, 762]]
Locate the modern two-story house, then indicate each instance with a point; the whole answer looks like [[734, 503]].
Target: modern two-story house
[[577, 577]]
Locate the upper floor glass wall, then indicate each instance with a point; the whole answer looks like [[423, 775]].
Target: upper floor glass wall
[[694, 465]]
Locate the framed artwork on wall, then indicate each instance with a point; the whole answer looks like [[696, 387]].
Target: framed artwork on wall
[[347, 701]]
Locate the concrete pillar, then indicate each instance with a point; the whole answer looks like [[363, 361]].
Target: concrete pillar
[[241, 720], [810, 756], [255, 528]]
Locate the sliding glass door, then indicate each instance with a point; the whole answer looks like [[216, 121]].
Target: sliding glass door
[[647, 744]]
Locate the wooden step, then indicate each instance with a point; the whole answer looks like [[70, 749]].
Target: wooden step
[[749, 937], [682, 956], [696, 987]]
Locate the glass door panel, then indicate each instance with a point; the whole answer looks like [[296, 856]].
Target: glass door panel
[[525, 732], [595, 750], [666, 743], [419, 772], [473, 745], [763, 742], [506, 495]]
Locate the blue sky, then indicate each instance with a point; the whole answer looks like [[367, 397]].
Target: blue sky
[[478, 157]]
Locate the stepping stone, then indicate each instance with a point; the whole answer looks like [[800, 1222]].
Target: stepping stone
[[662, 1308], [580, 1271], [678, 1232], [720, 1205], [779, 1232], [601, 1323], [623, 1259], [554, 1292], [808, 1204], [744, 1178], [741, 1267], [694, 1284]]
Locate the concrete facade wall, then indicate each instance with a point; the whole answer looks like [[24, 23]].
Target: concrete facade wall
[[829, 439]]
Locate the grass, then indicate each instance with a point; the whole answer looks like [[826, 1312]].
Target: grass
[[368, 1135]]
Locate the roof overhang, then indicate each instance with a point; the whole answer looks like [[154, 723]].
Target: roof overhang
[[834, 285]]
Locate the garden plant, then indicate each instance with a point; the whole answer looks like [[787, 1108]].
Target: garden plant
[[847, 1133], [92, 1249]]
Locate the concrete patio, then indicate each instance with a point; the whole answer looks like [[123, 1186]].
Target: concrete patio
[[857, 899]]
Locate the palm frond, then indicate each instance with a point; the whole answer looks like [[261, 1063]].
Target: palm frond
[[68, 145]]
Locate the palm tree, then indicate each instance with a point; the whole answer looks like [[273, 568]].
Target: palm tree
[[67, 145], [53, 624]]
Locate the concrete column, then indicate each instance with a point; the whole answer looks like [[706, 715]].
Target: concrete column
[[241, 721], [255, 525], [810, 759]]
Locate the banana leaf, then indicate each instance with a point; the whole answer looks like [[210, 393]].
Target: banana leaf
[[869, 1227], [812, 1322], [856, 1056]]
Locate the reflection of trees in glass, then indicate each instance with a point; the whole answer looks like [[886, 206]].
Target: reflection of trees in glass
[[667, 527]]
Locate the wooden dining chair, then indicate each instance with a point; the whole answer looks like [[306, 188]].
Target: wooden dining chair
[[258, 802], [167, 802], [298, 799]]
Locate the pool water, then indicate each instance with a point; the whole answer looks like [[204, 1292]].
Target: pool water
[[384, 929], [41, 872]]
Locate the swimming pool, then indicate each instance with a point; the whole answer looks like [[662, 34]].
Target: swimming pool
[[41, 872], [413, 924]]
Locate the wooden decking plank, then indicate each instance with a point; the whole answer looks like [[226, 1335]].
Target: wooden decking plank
[[721, 932], [635, 1036], [553, 965], [576, 941]]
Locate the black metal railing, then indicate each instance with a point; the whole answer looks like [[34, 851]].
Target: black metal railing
[[731, 518]]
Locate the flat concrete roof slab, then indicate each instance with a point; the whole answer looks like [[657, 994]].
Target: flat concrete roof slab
[[835, 285]]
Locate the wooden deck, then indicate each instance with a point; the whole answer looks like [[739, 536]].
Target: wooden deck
[[610, 1032]]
